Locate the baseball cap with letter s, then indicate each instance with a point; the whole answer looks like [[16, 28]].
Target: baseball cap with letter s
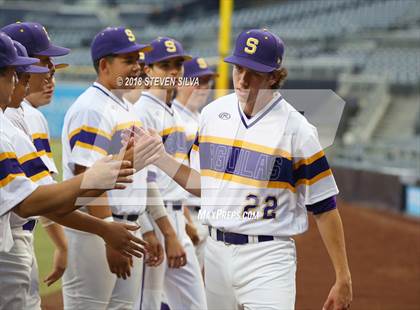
[[115, 41], [259, 50], [9, 55], [165, 48], [197, 67]]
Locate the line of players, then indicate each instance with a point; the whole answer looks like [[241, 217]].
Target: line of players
[[131, 123], [101, 274]]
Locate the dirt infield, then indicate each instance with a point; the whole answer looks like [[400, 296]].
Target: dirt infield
[[384, 255]]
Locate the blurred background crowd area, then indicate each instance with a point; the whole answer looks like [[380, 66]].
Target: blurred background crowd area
[[367, 51]]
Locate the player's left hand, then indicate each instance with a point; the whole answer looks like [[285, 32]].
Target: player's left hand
[[155, 254], [59, 266], [192, 233], [340, 296], [175, 252]]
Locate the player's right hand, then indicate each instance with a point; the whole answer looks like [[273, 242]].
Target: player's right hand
[[118, 263], [141, 147], [107, 173], [175, 253], [155, 254], [119, 237]]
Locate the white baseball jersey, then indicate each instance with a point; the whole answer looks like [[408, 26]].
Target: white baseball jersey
[[92, 129], [17, 118], [40, 133], [258, 174], [156, 114], [20, 168]]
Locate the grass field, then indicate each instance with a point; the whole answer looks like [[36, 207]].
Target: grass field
[[44, 248]]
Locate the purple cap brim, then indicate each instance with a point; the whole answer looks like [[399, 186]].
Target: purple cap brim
[[250, 64], [23, 61], [134, 48], [61, 65], [54, 51], [33, 69]]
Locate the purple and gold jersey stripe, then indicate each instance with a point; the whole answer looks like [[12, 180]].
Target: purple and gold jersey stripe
[[175, 142], [33, 166], [116, 140], [9, 168], [90, 138], [42, 143], [253, 166]]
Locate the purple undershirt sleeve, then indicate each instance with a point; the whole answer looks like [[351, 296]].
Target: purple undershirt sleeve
[[322, 206]]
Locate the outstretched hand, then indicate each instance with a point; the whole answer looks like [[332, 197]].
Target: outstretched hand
[[141, 147], [107, 173], [119, 237]]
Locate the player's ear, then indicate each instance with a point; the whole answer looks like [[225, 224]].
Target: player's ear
[[103, 65], [277, 77], [147, 69]]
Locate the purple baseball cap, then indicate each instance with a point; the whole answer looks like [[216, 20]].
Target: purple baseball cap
[[9, 55], [21, 50], [114, 41], [258, 50], [165, 48], [34, 37], [197, 67]]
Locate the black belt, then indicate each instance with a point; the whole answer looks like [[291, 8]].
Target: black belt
[[29, 226], [129, 217], [234, 238], [176, 205]]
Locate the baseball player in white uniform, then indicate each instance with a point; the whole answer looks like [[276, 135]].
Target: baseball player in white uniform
[[262, 168], [33, 123], [98, 277], [27, 190], [188, 103], [183, 286]]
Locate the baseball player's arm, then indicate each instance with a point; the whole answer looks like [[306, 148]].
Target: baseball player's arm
[[101, 211], [154, 205], [190, 227], [116, 235], [56, 234], [331, 230], [60, 197], [155, 210], [175, 253], [185, 176]]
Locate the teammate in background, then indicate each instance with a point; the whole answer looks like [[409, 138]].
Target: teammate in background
[[34, 37], [15, 114], [183, 287], [155, 254], [188, 103], [38, 91], [262, 165], [21, 198], [96, 276]]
